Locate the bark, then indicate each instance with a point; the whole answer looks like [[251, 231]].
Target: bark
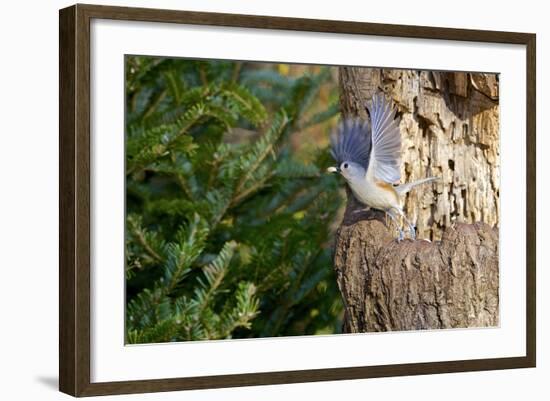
[[450, 129], [412, 285]]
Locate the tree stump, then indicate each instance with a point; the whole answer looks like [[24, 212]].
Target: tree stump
[[412, 285]]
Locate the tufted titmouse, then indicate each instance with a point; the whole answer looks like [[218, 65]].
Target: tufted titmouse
[[370, 160]]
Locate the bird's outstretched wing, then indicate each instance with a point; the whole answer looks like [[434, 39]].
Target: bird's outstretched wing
[[351, 142], [386, 140]]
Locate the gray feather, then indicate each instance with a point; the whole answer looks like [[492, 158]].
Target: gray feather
[[386, 139], [352, 142], [404, 188]]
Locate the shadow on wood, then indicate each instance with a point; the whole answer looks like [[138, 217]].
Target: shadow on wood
[[413, 285]]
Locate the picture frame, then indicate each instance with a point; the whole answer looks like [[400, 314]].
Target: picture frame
[[76, 203]]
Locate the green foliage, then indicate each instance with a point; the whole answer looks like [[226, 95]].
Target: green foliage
[[228, 222]]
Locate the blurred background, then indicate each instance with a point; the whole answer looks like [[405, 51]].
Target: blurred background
[[229, 216]]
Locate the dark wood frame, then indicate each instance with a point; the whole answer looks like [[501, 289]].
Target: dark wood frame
[[74, 202]]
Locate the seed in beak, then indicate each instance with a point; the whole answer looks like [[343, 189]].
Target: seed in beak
[[332, 169]]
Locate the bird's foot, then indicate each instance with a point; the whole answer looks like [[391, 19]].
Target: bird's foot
[[401, 236], [412, 232]]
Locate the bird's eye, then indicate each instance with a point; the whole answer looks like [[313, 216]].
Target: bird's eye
[[345, 165]]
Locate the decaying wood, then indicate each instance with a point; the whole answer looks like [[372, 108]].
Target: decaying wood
[[450, 129], [412, 285]]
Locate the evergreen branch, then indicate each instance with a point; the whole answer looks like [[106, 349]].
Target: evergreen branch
[[140, 70], [291, 168], [277, 127], [250, 190], [170, 134], [242, 313], [301, 262], [183, 185], [173, 85], [322, 116], [247, 104], [140, 311], [218, 201], [140, 235], [175, 208], [162, 331], [214, 274], [153, 106], [180, 179], [190, 244], [280, 271]]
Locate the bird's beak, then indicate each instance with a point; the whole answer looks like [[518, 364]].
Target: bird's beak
[[333, 170]]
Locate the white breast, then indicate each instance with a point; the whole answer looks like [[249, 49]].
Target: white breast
[[371, 194]]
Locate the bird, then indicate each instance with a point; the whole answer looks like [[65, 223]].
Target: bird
[[368, 156]]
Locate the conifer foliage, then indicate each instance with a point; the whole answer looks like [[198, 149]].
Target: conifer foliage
[[228, 231]]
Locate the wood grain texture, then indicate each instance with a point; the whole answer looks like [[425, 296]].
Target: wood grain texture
[[67, 252], [531, 202], [301, 376], [301, 24], [74, 209], [416, 285], [82, 192], [74, 203]]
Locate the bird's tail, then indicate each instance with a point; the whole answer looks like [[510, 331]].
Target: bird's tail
[[404, 188]]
